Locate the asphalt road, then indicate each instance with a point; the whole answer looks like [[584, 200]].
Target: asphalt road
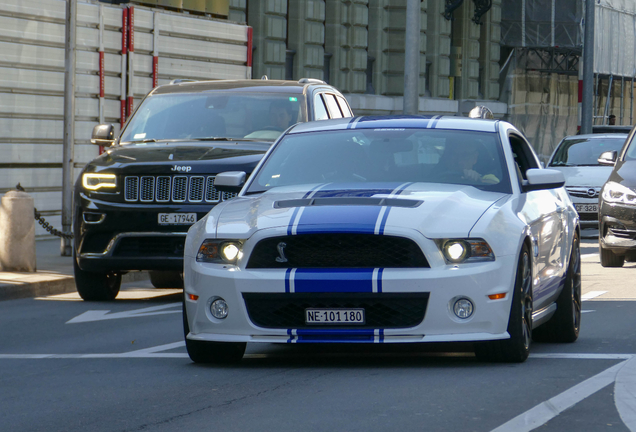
[[66, 367]]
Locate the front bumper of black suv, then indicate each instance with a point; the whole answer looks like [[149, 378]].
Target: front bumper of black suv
[[127, 236]]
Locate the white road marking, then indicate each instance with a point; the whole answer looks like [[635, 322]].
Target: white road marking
[[159, 348], [625, 394], [588, 311], [582, 356], [546, 411], [592, 294], [592, 255], [99, 315]]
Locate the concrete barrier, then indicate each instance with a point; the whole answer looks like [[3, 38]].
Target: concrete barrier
[[17, 232]]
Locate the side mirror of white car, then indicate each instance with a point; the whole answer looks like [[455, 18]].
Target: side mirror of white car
[[608, 158], [230, 181], [540, 179]]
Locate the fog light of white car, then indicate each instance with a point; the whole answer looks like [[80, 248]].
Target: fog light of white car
[[455, 250], [463, 308], [219, 309]]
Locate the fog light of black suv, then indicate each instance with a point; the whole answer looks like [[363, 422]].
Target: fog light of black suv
[[219, 308], [463, 308]]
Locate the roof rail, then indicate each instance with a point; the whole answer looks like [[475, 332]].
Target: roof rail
[[182, 80], [311, 81]]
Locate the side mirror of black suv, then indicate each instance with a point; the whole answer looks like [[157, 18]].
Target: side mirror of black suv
[[103, 135]]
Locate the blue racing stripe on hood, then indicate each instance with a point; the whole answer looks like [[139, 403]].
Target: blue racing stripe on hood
[[333, 280], [360, 219]]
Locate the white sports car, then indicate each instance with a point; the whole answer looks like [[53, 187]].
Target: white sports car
[[387, 230]]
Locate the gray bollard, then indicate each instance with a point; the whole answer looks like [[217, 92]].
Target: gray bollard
[[17, 232]]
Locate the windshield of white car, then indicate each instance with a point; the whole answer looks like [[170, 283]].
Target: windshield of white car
[[584, 151], [386, 156], [214, 115]]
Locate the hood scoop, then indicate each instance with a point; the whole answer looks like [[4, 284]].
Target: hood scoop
[[348, 201]]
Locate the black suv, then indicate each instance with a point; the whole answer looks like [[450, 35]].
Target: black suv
[[135, 202]]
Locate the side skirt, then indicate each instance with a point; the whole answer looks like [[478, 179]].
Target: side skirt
[[542, 316]]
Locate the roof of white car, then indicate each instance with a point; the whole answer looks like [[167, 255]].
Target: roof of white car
[[398, 122]]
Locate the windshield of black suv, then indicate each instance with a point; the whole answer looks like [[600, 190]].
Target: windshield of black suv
[[214, 115], [585, 151], [379, 156]]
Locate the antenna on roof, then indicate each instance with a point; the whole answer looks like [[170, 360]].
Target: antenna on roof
[[264, 77]]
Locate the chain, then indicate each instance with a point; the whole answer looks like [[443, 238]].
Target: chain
[[43, 222], [49, 228]]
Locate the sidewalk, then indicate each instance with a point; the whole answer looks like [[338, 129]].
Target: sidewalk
[[54, 275]]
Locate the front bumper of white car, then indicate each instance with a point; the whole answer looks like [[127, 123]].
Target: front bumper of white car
[[267, 304]]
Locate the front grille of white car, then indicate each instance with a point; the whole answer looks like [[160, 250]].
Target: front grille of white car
[[175, 189], [337, 250], [583, 191]]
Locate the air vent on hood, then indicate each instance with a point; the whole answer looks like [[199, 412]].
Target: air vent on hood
[[348, 201]]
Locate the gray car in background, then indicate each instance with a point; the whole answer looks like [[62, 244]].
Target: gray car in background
[[577, 157]]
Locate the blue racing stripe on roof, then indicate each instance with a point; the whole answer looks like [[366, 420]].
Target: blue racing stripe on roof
[[352, 122], [333, 280]]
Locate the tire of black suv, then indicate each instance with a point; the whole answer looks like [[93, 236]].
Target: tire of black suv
[[610, 259], [166, 279], [96, 286], [211, 352]]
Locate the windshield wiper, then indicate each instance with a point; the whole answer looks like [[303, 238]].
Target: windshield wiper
[[561, 164], [226, 139], [143, 141], [252, 192]]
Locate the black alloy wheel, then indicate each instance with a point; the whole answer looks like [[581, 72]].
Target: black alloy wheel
[[517, 348], [211, 352], [96, 286], [565, 324]]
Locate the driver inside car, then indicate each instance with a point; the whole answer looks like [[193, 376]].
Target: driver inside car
[[461, 159], [279, 116]]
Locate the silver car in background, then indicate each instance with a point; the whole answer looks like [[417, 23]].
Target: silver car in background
[[577, 157]]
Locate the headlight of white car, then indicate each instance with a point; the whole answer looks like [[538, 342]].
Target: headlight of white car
[[96, 181], [457, 251], [220, 251], [617, 193]]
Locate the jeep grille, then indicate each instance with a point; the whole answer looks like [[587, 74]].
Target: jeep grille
[[178, 189]]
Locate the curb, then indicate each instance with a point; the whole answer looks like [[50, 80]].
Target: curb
[[40, 284]]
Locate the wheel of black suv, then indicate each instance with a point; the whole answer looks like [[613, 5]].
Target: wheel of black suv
[[517, 348], [211, 352], [609, 258], [96, 286], [166, 279], [565, 324]]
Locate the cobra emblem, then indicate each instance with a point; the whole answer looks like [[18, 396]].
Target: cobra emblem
[[281, 251]]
